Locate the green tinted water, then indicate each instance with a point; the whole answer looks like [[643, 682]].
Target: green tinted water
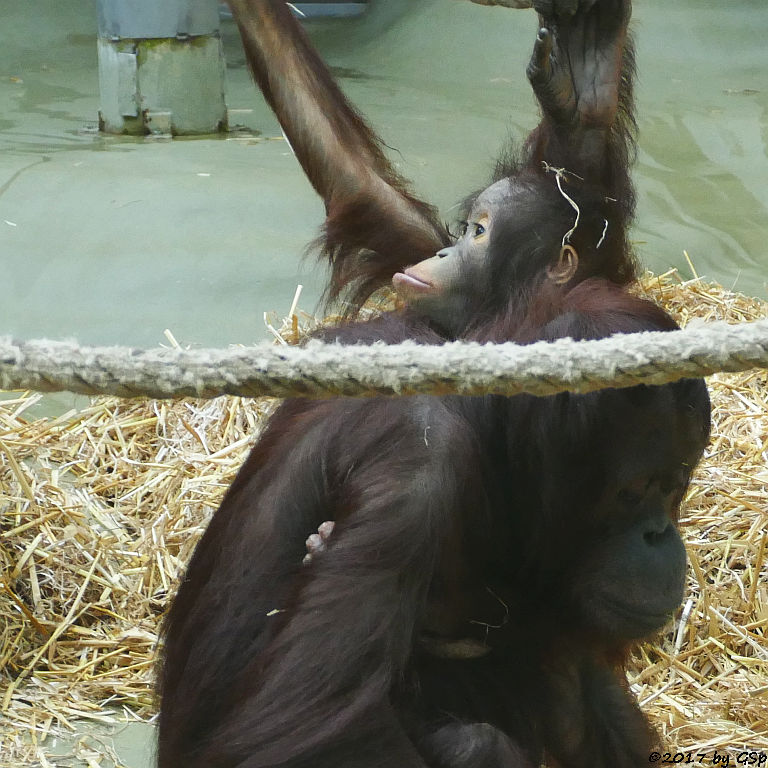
[[112, 240]]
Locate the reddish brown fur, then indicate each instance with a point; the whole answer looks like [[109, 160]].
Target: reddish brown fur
[[540, 529]]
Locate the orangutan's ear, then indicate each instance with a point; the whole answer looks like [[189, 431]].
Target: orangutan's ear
[[567, 264]]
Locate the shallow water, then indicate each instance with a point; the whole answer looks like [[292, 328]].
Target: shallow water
[[112, 240]]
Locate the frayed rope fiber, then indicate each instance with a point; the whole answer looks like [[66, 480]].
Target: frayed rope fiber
[[320, 370]]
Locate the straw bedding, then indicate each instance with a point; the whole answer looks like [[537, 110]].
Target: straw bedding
[[100, 509]]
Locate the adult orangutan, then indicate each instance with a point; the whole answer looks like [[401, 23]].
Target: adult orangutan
[[491, 558]]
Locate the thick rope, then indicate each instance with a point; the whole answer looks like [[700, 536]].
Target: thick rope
[[320, 370]]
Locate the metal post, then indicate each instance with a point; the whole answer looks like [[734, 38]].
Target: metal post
[[161, 67]]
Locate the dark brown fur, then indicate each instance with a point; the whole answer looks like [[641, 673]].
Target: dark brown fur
[[516, 524]]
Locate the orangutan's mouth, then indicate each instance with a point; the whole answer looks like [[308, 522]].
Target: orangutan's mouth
[[406, 283]]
